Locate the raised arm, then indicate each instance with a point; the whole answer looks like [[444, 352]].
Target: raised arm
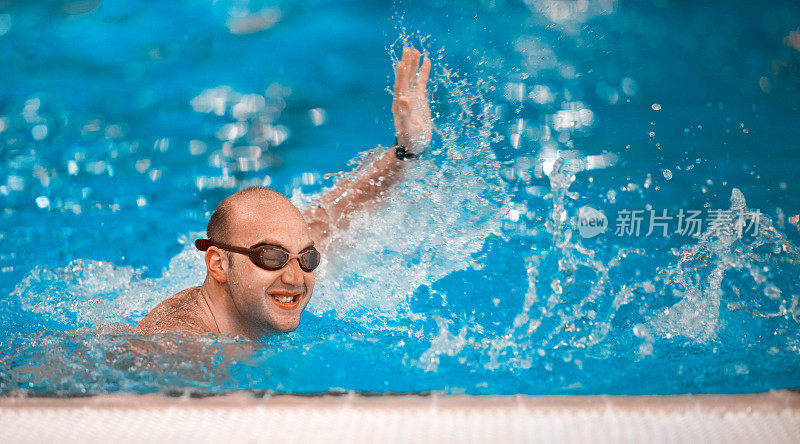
[[362, 188]]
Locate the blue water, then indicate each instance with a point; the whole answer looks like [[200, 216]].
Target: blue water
[[124, 123]]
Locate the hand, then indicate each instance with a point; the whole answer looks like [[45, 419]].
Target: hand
[[410, 106]]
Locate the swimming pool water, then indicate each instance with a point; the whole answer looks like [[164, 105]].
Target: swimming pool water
[[122, 126]]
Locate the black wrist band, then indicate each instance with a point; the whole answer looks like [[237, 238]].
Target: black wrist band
[[401, 152]]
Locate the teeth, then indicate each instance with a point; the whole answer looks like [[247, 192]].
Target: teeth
[[284, 299]]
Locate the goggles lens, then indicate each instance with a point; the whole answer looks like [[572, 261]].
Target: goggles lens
[[272, 258], [268, 257]]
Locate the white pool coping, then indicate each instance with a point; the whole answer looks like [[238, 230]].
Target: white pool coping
[[772, 417]]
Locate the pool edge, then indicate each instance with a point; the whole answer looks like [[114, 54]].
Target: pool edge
[[766, 402], [240, 417]]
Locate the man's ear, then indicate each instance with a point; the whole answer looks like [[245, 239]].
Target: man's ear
[[216, 264]]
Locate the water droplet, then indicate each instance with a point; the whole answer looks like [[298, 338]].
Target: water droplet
[[197, 147], [72, 167], [318, 116], [772, 292], [737, 200], [39, 132], [42, 202], [667, 174], [656, 107], [629, 86]]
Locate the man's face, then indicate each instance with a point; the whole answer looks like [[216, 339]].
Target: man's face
[[269, 300]]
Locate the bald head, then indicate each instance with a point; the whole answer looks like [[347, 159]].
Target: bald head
[[248, 201], [251, 294]]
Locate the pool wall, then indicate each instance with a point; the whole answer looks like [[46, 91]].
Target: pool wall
[[240, 417]]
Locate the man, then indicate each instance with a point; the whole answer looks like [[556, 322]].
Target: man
[[261, 251]]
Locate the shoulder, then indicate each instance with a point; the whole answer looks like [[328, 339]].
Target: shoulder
[[178, 313]]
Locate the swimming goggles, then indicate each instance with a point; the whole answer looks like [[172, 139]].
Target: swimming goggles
[[268, 257]]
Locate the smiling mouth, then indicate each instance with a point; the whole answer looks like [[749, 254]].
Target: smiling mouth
[[286, 301]]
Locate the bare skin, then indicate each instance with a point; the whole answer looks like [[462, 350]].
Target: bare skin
[[184, 312], [237, 297], [413, 130]]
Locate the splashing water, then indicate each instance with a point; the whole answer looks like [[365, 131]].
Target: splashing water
[[699, 277], [430, 225], [92, 293], [475, 275]]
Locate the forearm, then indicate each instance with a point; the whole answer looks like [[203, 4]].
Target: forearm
[[363, 188], [360, 190]]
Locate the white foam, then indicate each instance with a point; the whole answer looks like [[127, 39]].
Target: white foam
[[90, 293]]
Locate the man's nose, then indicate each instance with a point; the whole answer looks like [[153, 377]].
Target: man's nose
[[292, 273]]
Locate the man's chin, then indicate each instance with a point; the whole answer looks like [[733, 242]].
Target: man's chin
[[286, 329], [284, 325]]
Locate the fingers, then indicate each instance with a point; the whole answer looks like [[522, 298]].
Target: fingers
[[402, 73], [422, 78], [408, 74], [410, 106], [413, 67]]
